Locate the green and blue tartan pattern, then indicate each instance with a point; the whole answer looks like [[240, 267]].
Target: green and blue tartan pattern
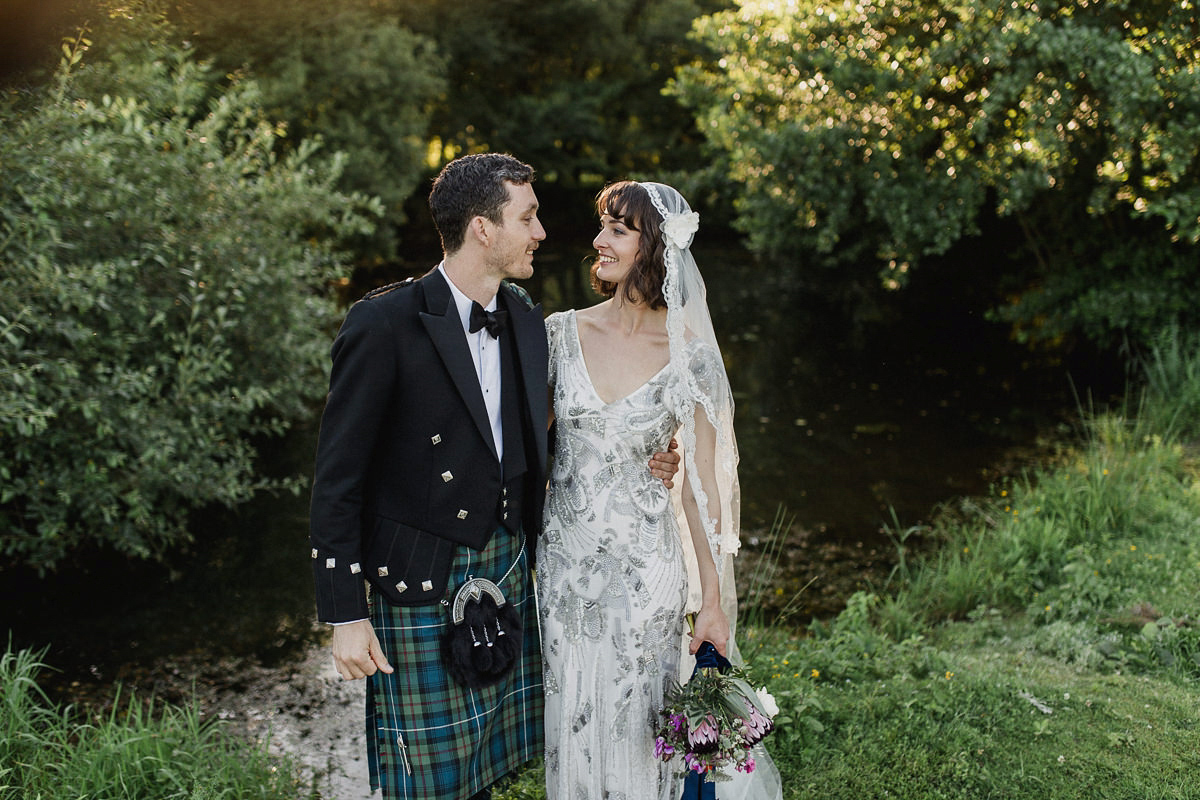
[[429, 738]]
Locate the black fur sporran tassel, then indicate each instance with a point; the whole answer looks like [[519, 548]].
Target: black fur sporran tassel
[[482, 649]]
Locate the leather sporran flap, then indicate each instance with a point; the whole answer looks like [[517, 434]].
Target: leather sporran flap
[[483, 641]]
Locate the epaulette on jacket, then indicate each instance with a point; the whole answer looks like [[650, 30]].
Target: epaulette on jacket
[[391, 287], [519, 292]]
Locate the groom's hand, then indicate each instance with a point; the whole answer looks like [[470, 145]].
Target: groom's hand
[[664, 465], [357, 652]]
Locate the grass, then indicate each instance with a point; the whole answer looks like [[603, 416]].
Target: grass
[[141, 749], [1041, 642]]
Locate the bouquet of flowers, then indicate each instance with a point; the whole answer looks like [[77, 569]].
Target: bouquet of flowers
[[712, 722]]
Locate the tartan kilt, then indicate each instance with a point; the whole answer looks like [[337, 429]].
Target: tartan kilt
[[457, 741]]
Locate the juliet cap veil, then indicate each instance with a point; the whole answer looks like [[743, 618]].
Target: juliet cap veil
[[701, 383], [695, 357]]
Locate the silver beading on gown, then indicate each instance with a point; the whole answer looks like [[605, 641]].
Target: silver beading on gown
[[615, 575]]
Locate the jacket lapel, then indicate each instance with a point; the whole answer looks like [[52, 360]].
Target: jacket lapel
[[529, 328], [445, 330]]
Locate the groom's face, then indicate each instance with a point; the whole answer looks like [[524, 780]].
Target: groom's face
[[518, 235]]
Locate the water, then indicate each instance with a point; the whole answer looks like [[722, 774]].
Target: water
[[850, 426], [845, 427]]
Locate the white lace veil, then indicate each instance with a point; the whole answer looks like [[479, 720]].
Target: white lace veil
[[701, 379], [704, 385]]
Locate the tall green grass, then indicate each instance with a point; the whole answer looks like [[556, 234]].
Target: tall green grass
[[1042, 540], [140, 749], [1040, 642], [1171, 373]]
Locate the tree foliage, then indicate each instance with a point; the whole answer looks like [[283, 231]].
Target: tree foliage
[[892, 132], [348, 73], [160, 299], [572, 86]]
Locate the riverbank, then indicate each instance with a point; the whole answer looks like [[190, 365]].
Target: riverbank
[[301, 711], [1042, 641], [189, 728]]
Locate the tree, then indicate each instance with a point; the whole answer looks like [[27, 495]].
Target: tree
[[572, 86], [1067, 133], [161, 298], [346, 73]]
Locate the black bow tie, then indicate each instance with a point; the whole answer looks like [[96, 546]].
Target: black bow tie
[[494, 321]]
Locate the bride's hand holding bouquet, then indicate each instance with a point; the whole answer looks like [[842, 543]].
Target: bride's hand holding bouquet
[[709, 625]]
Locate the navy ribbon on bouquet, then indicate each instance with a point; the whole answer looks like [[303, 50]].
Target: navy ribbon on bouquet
[[707, 657], [695, 785]]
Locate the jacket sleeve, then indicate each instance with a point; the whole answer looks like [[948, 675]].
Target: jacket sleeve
[[360, 388]]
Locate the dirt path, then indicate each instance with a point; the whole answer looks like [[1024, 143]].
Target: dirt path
[[304, 711]]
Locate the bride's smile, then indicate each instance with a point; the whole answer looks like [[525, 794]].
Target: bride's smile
[[617, 247]]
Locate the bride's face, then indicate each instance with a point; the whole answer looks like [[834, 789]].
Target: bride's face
[[617, 246]]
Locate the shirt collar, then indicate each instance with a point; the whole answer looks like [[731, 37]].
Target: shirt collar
[[462, 302]]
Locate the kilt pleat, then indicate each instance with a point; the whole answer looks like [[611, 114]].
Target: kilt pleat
[[429, 738]]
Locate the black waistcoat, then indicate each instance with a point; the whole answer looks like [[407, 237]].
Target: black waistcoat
[[514, 419]]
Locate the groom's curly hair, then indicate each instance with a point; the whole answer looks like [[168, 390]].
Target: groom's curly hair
[[629, 202], [473, 186]]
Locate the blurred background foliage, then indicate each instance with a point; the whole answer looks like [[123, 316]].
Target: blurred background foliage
[[160, 300], [184, 185], [874, 136]]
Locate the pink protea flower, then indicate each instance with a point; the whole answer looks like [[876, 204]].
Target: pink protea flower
[[704, 737], [755, 725]]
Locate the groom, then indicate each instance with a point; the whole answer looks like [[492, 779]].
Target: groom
[[431, 470]]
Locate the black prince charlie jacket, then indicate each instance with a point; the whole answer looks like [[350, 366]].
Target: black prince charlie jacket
[[406, 467]]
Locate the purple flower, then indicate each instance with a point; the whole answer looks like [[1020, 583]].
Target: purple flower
[[677, 722], [703, 738], [662, 749], [747, 766]]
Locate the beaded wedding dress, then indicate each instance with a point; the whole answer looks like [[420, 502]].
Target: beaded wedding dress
[[611, 579], [615, 576]]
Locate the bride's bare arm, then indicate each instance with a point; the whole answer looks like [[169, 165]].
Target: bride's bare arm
[[712, 624]]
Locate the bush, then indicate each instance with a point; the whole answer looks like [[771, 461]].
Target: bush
[[347, 72], [161, 302]]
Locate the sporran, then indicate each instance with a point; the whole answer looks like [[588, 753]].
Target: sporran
[[483, 641]]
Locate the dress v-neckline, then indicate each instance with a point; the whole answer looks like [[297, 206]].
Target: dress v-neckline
[[588, 375]]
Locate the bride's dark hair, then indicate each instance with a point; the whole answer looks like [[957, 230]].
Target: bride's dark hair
[[629, 202]]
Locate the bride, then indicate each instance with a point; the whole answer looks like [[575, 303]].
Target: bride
[[621, 559]]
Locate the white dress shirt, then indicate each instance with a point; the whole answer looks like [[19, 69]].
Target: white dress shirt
[[485, 353]]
